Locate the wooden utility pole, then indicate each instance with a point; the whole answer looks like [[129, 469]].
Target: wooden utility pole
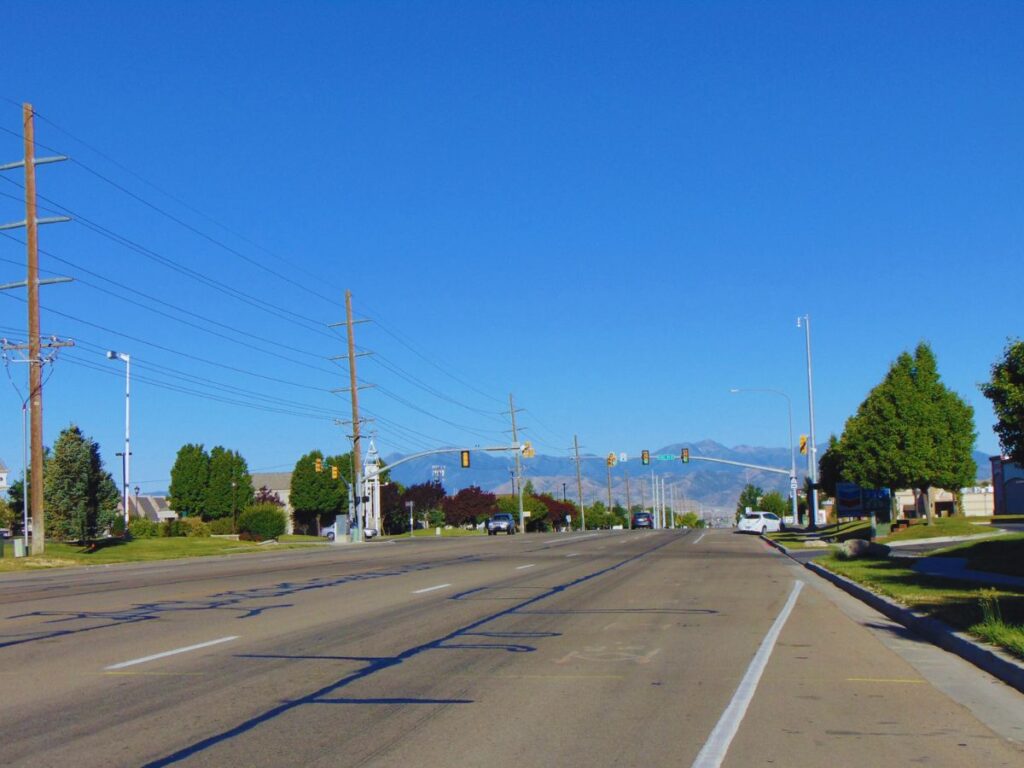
[[579, 483], [357, 466], [35, 372], [519, 468], [609, 465]]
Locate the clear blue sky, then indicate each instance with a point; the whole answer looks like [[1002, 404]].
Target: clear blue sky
[[613, 210]]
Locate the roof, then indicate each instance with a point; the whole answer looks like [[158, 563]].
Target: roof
[[274, 481]]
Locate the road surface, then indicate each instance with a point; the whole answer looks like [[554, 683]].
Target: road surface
[[620, 648]]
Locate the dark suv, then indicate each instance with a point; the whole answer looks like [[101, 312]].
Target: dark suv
[[643, 520], [502, 522]]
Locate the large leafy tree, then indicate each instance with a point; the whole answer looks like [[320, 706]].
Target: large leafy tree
[[316, 497], [1006, 391], [76, 488], [749, 497], [910, 432], [190, 477], [830, 467], [558, 510], [775, 502], [229, 488], [425, 498], [470, 505]]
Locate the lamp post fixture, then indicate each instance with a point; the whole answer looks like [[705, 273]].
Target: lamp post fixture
[[792, 448], [127, 360], [812, 453]]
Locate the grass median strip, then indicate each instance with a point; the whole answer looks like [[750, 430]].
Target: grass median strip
[[113, 551], [992, 614]]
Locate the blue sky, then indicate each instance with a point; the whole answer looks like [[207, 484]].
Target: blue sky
[[615, 211]]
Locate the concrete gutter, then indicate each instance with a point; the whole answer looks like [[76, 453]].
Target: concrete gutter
[[996, 662]]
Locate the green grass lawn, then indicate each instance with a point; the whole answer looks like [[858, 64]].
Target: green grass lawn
[[957, 603], [429, 533], [133, 551], [941, 526], [1001, 555]]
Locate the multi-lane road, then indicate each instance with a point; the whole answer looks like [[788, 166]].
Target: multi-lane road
[[601, 649]]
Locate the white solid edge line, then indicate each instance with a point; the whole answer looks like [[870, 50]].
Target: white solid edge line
[[573, 554], [713, 752], [699, 538], [430, 589], [521, 567], [176, 651]]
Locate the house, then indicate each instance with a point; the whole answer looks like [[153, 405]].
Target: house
[[155, 508], [281, 484]]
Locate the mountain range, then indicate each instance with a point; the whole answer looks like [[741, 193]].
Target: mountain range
[[698, 485]]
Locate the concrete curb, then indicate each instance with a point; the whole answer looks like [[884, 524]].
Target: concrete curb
[[997, 663]]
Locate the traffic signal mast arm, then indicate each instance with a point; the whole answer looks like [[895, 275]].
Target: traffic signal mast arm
[[741, 464], [436, 451]]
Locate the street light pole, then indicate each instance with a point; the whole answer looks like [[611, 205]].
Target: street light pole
[[127, 360], [792, 447], [812, 453]]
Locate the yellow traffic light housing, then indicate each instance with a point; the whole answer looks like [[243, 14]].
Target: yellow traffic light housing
[[334, 472], [803, 444], [319, 464], [464, 459]]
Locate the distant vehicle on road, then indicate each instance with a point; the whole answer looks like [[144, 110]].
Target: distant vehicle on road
[[759, 522], [5, 533], [643, 520], [502, 522], [330, 531]]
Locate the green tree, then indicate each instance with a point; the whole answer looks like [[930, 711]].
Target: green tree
[[317, 498], [1006, 391], [690, 520], [910, 432], [774, 502], [190, 477], [229, 488], [749, 497], [76, 487], [7, 515], [830, 467]]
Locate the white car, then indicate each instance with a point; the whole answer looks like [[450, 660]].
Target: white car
[[331, 530], [759, 522]]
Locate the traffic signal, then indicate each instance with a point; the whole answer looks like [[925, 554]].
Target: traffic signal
[[803, 444], [334, 472], [611, 460], [645, 457], [528, 452], [684, 455], [319, 464], [464, 459]]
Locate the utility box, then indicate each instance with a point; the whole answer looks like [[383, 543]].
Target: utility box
[[19, 547]]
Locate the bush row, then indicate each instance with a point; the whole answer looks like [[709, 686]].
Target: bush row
[[256, 523]]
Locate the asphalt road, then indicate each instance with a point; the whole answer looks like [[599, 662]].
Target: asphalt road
[[608, 649]]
